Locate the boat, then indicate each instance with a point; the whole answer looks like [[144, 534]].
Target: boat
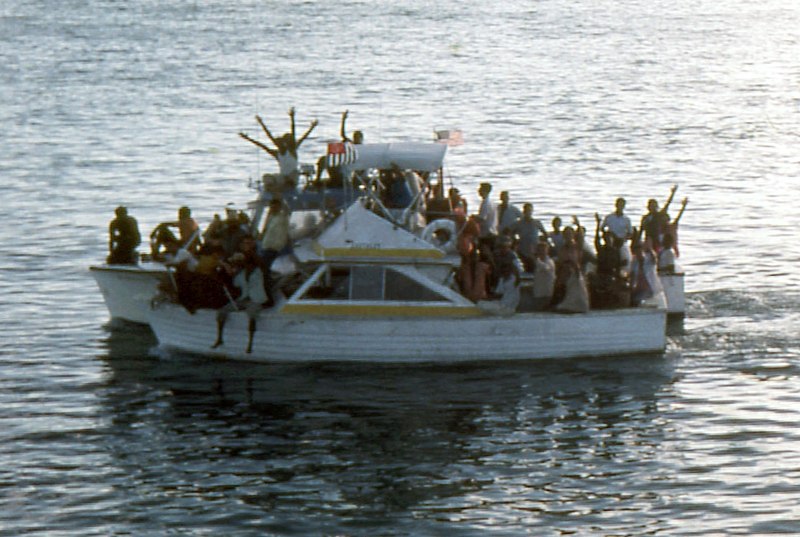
[[376, 292], [128, 289]]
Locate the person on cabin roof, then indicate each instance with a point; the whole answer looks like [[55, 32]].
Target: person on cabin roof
[[285, 151], [358, 136], [123, 238]]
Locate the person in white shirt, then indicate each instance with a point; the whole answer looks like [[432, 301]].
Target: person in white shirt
[[666, 257], [254, 295], [620, 227], [285, 151], [618, 223], [487, 216]]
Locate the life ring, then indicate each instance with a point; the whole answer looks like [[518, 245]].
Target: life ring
[[438, 228]]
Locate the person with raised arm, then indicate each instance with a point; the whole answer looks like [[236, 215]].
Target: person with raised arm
[[655, 222], [285, 151], [358, 136], [672, 227]]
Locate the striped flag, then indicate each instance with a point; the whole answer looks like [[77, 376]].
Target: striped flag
[[449, 137], [340, 153]]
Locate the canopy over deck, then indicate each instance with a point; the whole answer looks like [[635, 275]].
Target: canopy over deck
[[426, 157]]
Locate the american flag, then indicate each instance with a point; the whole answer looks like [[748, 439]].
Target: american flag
[[449, 137], [340, 153]]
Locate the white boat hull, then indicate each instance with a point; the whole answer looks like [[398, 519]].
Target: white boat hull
[[128, 289], [293, 337]]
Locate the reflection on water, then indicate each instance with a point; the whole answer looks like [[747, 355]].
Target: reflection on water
[[345, 442]]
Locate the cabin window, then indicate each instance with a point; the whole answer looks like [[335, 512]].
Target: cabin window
[[401, 287], [370, 283], [367, 283]]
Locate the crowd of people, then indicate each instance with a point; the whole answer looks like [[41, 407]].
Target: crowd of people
[[229, 265], [500, 244]]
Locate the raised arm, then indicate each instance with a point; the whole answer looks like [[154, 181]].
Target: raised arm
[[259, 144], [576, 221], [343, 131], [305, 135], [636, 236], [291, 120], [266, 130], [680, 213], [669, 199], [597, 220]]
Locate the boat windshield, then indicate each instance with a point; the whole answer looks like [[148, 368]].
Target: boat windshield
[[369, 283]]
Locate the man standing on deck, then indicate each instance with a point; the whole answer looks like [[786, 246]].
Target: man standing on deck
[[528, 229], [507, 213], [620, 227], [618, 223], [487, 217]]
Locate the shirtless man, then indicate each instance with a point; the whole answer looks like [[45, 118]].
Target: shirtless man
[[123, 238]]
